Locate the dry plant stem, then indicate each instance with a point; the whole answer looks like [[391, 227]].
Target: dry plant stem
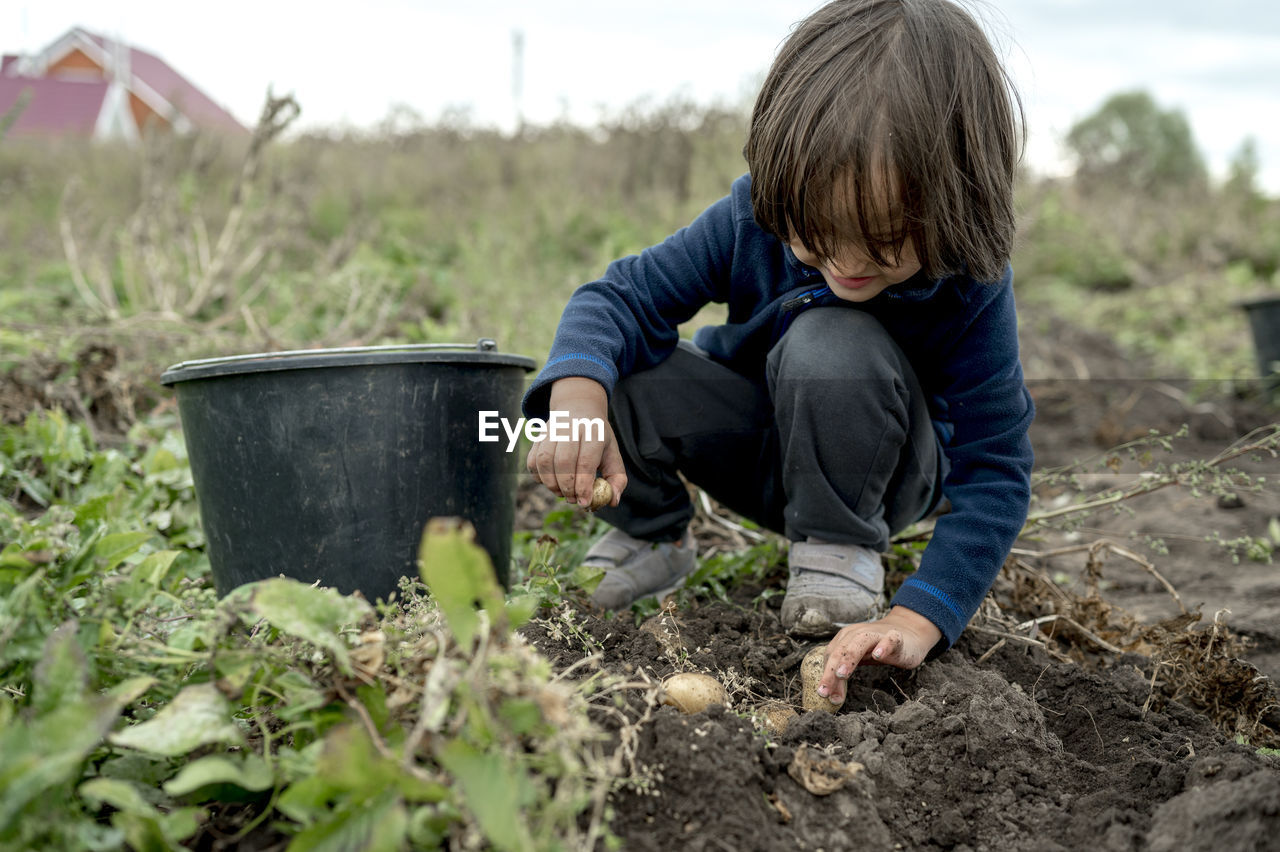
[[736, 528], [277, 114], [622, 763], [1263, 439], [1101, 744], [990, 651], [376, 738], [1027, 640], [589, 660], [1084, 631], [1150, 569], [168, 265], [1093, 549], [425, 723], [1151, 691], [95, 303]]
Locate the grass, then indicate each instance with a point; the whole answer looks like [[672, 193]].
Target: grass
[[449, 232]]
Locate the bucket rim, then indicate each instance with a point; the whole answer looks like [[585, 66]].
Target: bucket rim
[[481, 353], [1262, 301]]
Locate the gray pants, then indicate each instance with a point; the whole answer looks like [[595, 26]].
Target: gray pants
[[835, 443]]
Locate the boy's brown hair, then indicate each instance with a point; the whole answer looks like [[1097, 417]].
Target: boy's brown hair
[[897, 102]]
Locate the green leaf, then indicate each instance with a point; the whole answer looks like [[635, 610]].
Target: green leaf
[[14, 555], [197, 716], [460, 576], [378, 827], [62, 676], [308, 612], [491, 791], [144, 827], [251, 773], [93, 509], [128, 691], [521, 608], [586, 577], [307, 800], [351, 764], [521, 715], [120, 795], [49, 751], [429, 825], [153, 568], [115, 548]]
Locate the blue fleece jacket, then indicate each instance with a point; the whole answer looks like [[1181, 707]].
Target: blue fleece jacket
[[960, 336]]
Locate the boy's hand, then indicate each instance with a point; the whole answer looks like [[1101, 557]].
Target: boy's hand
[[902, 638], [569, 468]]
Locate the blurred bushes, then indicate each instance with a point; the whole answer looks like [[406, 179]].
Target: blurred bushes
[[448, 231], [1131, 144], [1140, 244]]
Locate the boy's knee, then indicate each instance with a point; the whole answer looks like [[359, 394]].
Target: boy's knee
[[837, 344]]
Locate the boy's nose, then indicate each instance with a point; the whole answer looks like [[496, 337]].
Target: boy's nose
[[853, 270]]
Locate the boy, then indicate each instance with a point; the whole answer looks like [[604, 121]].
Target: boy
[[869, 365]]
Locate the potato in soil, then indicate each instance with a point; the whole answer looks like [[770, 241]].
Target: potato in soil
[[690, 692], [811, 669]]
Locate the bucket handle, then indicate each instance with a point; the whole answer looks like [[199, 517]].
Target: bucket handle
[[484, 344]]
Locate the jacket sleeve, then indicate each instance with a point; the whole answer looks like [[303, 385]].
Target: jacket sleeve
[[627, 320], [989, 483]]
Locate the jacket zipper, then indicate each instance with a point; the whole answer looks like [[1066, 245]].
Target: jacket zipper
[[804, 298]]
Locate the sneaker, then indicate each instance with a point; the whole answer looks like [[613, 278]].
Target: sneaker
[[637, 569], [831, 585]]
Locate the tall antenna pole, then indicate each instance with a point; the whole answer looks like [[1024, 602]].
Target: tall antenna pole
[[517, 77]]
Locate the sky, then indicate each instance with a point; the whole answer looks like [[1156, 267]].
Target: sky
[[349, 64]]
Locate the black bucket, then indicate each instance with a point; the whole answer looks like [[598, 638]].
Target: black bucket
[[326, 464], [1264, 322]]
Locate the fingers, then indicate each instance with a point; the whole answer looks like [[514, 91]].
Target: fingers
[[569, 468], [889, 650], [612, 469], [845, 653]]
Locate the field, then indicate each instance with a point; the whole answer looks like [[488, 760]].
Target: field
[[1117, 690]]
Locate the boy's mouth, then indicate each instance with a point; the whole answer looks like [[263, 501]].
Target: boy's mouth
[[853, 283]]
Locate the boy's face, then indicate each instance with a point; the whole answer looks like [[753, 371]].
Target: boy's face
[[854, 276]]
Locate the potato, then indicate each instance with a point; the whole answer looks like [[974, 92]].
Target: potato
[[810, 676], [666, 629], [777, 716], [690, 692], [601, 495]]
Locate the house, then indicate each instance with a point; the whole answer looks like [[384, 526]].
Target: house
[[85, 84]]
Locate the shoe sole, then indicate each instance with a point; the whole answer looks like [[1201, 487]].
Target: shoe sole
[[662, 593], [830, 628]]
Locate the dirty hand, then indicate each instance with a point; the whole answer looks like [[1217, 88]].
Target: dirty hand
[[569, 468], [902, 638]]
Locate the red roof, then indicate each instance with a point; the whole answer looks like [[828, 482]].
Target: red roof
[[58, 106], [73, 103], [173, 87]]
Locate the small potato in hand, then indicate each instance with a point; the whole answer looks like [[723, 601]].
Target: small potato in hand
[[601, 495]]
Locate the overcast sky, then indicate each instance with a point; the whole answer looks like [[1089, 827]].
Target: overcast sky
[[350, 62]]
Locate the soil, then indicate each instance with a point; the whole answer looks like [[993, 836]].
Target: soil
[[1129, 718], [992, 748], [92, 386]]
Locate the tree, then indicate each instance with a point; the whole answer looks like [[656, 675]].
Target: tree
[[1242, 173], [1132, 144]]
